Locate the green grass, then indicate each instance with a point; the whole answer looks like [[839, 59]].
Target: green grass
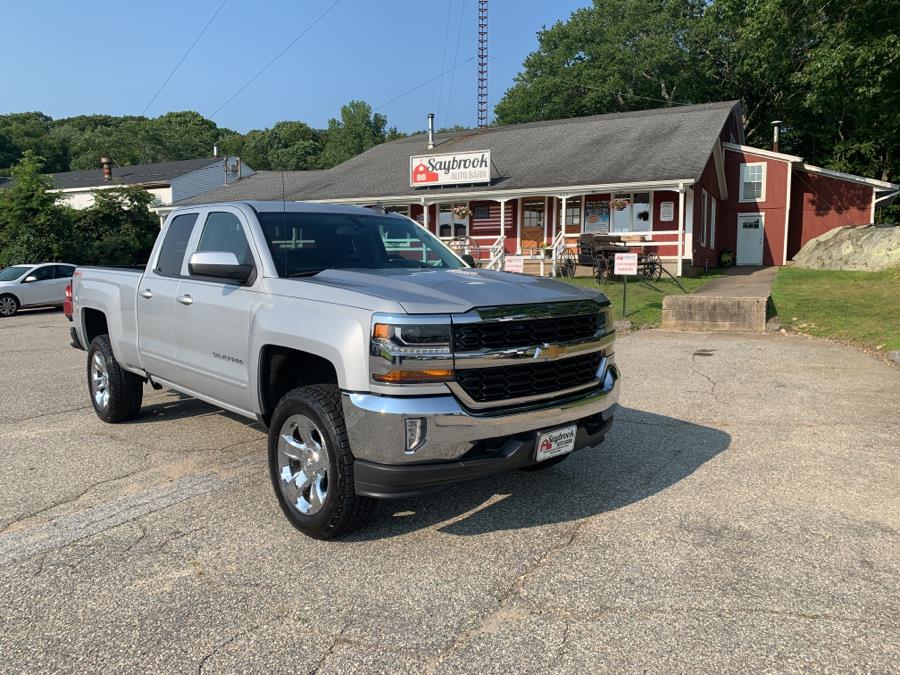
[[644, 300], [861, 308]]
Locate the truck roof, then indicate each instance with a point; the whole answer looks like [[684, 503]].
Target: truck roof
[[289, 206]]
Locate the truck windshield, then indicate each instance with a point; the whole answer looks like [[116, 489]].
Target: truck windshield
[[13, 273], [303, 244]]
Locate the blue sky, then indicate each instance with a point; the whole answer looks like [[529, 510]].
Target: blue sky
[[110, 57]]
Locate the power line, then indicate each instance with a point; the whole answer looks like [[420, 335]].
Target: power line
[[462, 8], [444, 55], [276, 57], [184, 56], [419, 86]]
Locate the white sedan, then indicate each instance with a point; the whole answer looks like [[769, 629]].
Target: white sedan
[[41, 285]]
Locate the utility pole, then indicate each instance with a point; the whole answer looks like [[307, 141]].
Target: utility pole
[[482, 63]]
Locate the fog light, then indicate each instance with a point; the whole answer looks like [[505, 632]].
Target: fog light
[[415, 434]]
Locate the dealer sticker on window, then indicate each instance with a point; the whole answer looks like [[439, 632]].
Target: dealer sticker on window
[[556, 442]]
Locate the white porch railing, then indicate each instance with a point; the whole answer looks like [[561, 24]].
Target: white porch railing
[[557, 248], [497, 254]]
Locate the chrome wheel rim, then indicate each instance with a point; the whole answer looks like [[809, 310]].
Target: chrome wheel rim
[[99, 381], [303, 464], [7, 306]]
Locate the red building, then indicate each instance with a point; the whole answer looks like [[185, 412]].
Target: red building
[[678, 180]]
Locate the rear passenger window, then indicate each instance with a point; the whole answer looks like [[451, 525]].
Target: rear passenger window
[[174, 246], [223, 232], [42, 273], [64, 271]]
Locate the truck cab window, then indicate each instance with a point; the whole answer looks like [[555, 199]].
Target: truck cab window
[[174, 246], [223, 232]]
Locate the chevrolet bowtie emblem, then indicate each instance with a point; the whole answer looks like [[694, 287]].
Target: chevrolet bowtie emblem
[[547, 351]]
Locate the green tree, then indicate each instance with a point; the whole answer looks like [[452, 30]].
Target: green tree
[[358, 130], [185, 135], [31, 131], [289, 146], [33, 227], [118, 229], [616, 55], [829, 68]]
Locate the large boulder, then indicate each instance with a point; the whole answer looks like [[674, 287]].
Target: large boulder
[[865, 249]]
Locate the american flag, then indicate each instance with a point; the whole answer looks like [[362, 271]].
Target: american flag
[[486, 217]]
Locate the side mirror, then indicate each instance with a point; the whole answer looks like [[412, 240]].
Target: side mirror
[[220, 265], [469, 260], [29, 279]]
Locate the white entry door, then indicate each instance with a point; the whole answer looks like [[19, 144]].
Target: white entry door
[[750, 237]]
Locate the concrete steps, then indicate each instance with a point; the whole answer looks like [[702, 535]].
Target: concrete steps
[[714, 313], [736, 301]]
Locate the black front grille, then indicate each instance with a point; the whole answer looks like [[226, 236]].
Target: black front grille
[[473, 337], [485, 385]]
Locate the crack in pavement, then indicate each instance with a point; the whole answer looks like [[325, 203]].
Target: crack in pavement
[[71, 500], [500, 610], [224, 644], [338, 639], [72, 528], [694, 370]]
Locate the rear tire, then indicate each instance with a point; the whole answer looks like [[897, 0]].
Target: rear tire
[[115, 393], [311, 465], [9, 305]]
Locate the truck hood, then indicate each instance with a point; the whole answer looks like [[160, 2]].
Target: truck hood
[[427, 291]]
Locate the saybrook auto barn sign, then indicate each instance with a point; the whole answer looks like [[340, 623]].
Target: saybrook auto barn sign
[[450, 168]]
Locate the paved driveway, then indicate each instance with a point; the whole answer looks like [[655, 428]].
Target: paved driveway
[[743, 514]]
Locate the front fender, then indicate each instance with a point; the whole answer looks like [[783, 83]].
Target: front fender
[[338, 334]]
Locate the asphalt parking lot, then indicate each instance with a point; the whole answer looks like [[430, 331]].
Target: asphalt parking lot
[[743, 514]]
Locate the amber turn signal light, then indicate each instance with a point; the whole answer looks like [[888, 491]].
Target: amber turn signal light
[[413, 376]]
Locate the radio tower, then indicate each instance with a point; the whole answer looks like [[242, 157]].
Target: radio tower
[[482, 64]]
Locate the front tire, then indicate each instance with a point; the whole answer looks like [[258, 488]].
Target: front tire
[[115, 393], [311, 465], [8, 305]]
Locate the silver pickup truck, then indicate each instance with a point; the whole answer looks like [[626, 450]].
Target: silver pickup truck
[[381, 363]]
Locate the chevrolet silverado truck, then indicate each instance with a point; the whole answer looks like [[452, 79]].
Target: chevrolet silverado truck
[[380, 362]]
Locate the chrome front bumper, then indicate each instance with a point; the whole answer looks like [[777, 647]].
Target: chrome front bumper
[[376, 425]]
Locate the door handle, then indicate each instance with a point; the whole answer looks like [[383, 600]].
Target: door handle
[[185, 299], [147, 293]]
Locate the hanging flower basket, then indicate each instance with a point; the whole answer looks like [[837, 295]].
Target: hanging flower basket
[[619, 204], [461, 212]]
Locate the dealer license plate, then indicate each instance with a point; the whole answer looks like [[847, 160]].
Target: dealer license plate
[[556, 442]]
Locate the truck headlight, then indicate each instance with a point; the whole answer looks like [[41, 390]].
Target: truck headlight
[[410, 350]]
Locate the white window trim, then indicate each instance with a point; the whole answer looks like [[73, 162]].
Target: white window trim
[[630, 195], [437, 215], [762, 196], [713, 207]]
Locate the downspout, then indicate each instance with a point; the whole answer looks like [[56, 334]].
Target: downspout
[[678, 262], [787, 210]]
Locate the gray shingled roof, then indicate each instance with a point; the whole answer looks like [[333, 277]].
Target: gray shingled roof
[[647, 145], [138, 174], [262, 185]]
